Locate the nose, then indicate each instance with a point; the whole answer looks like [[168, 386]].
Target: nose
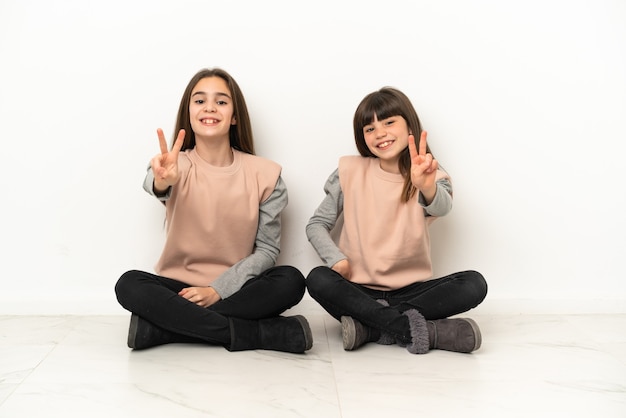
[[209, 107], [381, 132]]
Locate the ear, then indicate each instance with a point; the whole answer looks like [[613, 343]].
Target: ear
[[233, 121]]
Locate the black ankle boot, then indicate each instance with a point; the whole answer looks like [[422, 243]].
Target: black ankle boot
[[458, 334], [144, 334], [289, 334]]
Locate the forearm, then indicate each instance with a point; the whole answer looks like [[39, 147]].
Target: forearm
[[149, 186], [235, 277], [441, 203], [324, 220], [428, 194], [322, 242]]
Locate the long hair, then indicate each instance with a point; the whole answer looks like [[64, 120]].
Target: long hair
[[383, 104], [240, 134]]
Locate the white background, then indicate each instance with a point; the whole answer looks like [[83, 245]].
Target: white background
[[524, 101]]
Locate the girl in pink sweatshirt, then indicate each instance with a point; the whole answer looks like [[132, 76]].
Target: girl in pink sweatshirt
[[216, 281], [377, 278]]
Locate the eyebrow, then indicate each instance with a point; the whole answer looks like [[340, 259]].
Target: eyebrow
[[218, 94]]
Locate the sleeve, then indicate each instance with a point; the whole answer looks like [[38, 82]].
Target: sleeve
[[324, 219], [442, 203], [148, 183], [266, 245]]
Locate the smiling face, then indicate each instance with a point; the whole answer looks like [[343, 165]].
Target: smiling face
[[386, 139], [211, 110]]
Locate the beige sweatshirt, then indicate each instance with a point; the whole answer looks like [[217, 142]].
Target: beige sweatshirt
[[386, 241], [213, 218]]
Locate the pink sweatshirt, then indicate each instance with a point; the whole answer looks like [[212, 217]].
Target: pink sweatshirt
[[212, 216], [386, 241]]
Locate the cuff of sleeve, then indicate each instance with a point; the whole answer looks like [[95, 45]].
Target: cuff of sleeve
[[434, 203], [163, 197], [332, 261], [148, 186], [220, 290]]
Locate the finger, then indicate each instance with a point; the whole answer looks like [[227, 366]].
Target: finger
[[160, 173], [428, 163], [155, 164], [162, 141], [433, 165], [423, 146], [422, 165], [178, 144], [428, 160], [412, 147]]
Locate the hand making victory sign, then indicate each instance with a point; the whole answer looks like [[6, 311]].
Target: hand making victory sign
[[423, 168], [165, 165]]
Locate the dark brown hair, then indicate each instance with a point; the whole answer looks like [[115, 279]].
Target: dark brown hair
[[383, 104], [240, 134]]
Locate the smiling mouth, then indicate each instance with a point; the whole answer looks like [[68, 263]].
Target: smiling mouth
[[384, 145], [209, 121]]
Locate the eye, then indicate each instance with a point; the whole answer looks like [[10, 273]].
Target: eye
[[199, 101], [390, 122], [367, 129], [222, 102]]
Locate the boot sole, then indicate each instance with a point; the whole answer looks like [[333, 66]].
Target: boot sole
[[348, 333], [457, 343], [306, 328], [477, 336], [132, 330], [478, 339]]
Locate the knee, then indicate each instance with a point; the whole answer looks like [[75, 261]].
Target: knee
[[125, 284], [291, 272], [292, 277], [479, 285], [318, 278]]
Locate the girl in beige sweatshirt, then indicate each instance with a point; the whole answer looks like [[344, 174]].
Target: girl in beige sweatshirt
[[216, 281], [371, 232]]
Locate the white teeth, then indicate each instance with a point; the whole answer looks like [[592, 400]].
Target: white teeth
[[384, 144]]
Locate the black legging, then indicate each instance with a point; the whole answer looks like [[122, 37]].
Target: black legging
[[434, 299], [156, 299]]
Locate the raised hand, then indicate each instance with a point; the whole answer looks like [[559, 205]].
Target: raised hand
[[165, 165], [423, 168]]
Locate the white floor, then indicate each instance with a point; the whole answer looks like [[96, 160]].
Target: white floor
[[528, 366]]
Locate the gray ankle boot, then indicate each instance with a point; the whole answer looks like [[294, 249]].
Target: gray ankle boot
[[355, 334], [418, 328], [290, 334], [458, 334]]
